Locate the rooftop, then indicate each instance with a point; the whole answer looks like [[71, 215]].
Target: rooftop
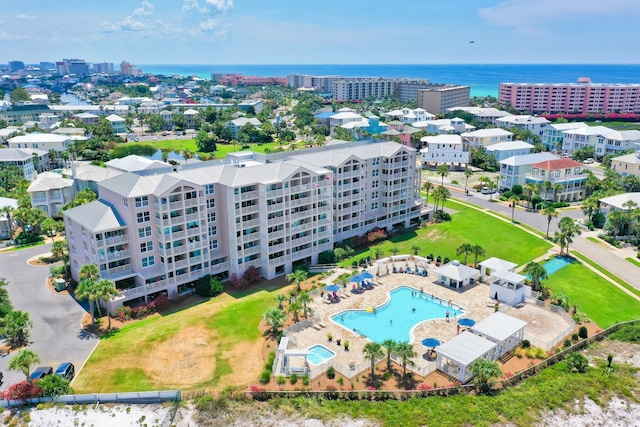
[[95, 216], [528, 159], [509, 145], [554, 164], [620, 200]]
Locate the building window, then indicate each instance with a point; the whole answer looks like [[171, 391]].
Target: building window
[[213, 244], [211, 203], [143, 217], [146, 247], [375, 172], [374, 206], [144, 232], [213, 230], [148, 261], [125, 202], [142, 201], [211, 217], [209, 189]]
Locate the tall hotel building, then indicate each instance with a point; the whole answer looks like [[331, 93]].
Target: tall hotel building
[[582, 97], [159, 233]]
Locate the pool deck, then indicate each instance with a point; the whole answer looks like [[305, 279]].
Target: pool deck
[[474, 300]]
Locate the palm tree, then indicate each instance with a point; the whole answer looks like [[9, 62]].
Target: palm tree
[[443, 170], [467, 174], [551, 213], [16, 327], [514, 201], [372, 351], [464, 249], [304, 299], [275, 318], [23, 361], [556, 188], [105, 290], [426, 187], [616, 220], [589, 207], [293, 308], [406, 352], [537, 273], [568, 229], [478, 251], [630, 206], [187, 154], [529, 191], [544, 188], [394, 250], [281, 299], [377, 252], [389, 347], [485, 372], [87, 291], [415, 248], [89, 272], [297, 277]]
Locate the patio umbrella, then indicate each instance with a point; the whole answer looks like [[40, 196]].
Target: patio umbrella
[[355, 278], [466, 322], [366, 275], [430, 342], [332, 288]]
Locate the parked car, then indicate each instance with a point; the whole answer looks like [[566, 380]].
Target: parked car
[[165, 133], [66, 370], [40, 372], [588, 161], [487, 190]]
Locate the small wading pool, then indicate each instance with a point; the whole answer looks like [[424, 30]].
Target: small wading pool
[[319, 354], [556, 264]]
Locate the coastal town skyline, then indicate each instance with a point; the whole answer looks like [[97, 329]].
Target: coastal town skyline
[[240, 32]]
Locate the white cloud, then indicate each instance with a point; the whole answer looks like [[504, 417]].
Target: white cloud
[[208, 7], [208, 25], [23, 16], [129, 24], [5, 36], [534, 17], [145, 10], [220, 5]]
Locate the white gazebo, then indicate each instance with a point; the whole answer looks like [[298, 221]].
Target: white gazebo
[[456, 355], [505, 331], [456, 275], [508, 287], [495, 264], [282, 363]]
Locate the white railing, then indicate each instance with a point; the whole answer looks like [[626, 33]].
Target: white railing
[[251, 209], [249, 195], [250, 223], [193, 231], [274, 261], [251, 251], [114, 240]]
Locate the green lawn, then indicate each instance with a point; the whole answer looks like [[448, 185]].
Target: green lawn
[[178, 145], [499, 238], [607, 273], [633, 261], [217, 328], [604, 303], [616, 125]]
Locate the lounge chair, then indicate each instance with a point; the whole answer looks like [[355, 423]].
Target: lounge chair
[[409, 271]]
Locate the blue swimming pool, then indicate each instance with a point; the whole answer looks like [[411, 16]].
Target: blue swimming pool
[[395, 319], [556, 264], [319, 354]]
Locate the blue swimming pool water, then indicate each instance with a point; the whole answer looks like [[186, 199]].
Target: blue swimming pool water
[[318, 354], [397, 317], [556, 264]]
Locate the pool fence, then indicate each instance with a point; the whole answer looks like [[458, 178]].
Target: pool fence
[[142, 397]]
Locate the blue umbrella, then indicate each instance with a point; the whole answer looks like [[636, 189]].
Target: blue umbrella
[[355, 278], [332, 288], [366, 275], [466, 322], [430, 342]]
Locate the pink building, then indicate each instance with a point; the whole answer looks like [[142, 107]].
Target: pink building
[[583, 97]]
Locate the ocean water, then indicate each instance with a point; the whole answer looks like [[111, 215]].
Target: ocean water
[[484, 79]]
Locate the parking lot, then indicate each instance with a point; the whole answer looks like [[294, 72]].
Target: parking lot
[[56, 335]]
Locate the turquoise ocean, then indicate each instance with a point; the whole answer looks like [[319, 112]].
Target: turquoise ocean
[[484, 79]]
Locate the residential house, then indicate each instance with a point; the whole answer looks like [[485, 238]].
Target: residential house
[[444, 150], [6, 222], [559, 179], [41, 141], [342, 118], [617, 141], [48, 121], [553, 136], [366, 127], [50, 191], [167, 116], [504, 150], [482, 114], [191, 115], [628, 164], [620, 202], [582, 137], [117, 123], [444, 126], [536, 125], [24, 160], [486, 137], [513, 170], [407, 115], [86, 175], [235, 125], [256, 104], [87, 118], [135, 163]]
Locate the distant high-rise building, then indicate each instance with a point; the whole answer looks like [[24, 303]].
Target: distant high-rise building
[[104, 68], [16, 66], [62, 67], [438, 98], [78, 67], [47, 65]]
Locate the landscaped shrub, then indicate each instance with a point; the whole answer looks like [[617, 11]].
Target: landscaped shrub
[[567, 343], [161, 302], [305, 380], [574, 337], [598, 220], [25, 238], [210, 405], [270, 359], [281, 380], [582, 332], [216, 286], [293, 379], [203, 287], [123, 313], [23, 391], [265, 377], [577, 363], [628, 333], [526, 344], [331, 372]]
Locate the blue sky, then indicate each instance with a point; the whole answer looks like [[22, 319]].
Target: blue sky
[[314, 31]]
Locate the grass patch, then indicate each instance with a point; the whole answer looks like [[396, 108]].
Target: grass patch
[[499, 238], [179, 145], [603, 302], [28, 245], [633, 261], [595, 240], [607, 273], [554, 388], [216, 338]]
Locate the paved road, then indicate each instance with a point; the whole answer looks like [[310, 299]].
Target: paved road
[[620, 267], [56, 335]]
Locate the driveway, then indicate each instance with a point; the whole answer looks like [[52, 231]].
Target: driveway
[[56, 334]]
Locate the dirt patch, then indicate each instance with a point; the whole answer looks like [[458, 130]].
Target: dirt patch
[[432, 235], [623, 352], [185, 359], [246, 363]]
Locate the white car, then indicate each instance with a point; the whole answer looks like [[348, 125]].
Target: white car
[[588, 161]]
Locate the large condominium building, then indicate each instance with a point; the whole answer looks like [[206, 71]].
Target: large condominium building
[[583, 97], [160, 233], [407, 89], [320, 83], [362, 88], [439, 98]]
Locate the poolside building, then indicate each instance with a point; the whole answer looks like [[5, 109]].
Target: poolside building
[[503, 330], [456, 275], [454, 357]]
